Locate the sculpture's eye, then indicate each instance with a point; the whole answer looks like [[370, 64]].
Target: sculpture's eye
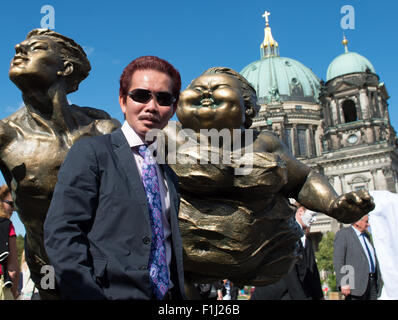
[[198, 89], [38, 46], [220, 86]]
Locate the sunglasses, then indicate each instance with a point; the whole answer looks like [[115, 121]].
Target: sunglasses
[[10, 203], [144, 96]]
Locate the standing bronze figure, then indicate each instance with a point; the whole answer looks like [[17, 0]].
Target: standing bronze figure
[[241, 226], [35, 139]]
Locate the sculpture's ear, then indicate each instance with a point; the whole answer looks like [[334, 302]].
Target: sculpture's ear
[[67, 70]]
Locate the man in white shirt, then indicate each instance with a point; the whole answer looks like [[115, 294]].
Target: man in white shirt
[[355, 262], [303, 281], [112, 228]]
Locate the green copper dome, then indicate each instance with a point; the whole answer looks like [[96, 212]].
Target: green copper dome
[[282, 79], [348, 62]]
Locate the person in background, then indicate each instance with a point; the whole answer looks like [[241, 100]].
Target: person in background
[[28, 288], [208, 291], [235, 291], [227, 289], [303, 281], [355, 262], [9, 267], [306, 280]]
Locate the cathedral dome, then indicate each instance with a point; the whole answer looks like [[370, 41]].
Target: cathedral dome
[[348, 62], [277, 78]]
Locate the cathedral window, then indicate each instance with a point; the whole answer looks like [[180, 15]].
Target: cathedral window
[[359, 182], [349, 111], [313, 148], [302, 142], [288, 139]]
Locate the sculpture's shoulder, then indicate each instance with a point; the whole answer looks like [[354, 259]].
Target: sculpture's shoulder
[[100, 118], [92, 113], [9, 125], [267, 137], [17, 117], [268, 141], [107, 125]]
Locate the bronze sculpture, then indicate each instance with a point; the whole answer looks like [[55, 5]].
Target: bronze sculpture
[[233, 226], [241, 227], [35, 139]]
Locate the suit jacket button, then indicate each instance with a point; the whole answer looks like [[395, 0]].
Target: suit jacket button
[[143, 268], [146, 240]]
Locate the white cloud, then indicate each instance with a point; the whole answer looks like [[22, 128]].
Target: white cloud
[[88, 50], [12, 109]]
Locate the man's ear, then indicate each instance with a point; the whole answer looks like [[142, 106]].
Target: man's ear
[[299, 212], [175, 105], [122, 103], [174, 110]]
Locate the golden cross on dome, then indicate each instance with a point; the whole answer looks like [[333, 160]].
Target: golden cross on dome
[[345, 42], [266, 15]]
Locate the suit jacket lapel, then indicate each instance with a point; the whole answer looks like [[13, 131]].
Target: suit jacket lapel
[[128, 165], [358, 243]]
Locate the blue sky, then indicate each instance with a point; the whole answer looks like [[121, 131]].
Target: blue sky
[[194, 36]]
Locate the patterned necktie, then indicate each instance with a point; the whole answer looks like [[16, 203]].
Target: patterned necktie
[[372, 265], [157, 260]]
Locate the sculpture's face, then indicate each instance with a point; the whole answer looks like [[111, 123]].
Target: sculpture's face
[[212, 101], [36, 63]]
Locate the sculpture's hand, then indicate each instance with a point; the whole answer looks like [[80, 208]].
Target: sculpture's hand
[[352, 206]]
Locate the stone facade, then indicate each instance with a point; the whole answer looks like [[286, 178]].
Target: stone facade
[[340, 128], [347, 136]]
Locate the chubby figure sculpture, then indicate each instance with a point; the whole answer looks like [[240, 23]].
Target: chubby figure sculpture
[[35, 139], [235, 217]]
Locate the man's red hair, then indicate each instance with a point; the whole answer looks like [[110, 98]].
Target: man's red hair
[[149, 63]]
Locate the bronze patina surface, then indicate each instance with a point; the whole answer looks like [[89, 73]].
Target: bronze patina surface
[[35, 139], [241, 226]]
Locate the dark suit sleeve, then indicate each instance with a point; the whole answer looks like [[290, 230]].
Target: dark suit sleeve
[[315, 282], [313, 272], [339, 260], [68, 221]]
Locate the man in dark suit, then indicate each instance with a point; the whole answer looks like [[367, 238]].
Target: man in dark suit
[[355, 262], [112, 228], [303, 281]]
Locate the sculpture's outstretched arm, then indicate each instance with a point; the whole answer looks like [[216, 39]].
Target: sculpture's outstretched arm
[[314, 191], [318, 195]]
